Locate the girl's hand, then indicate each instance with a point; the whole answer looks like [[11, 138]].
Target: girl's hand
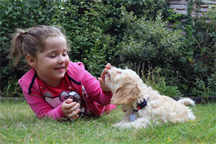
[[102, 78], [71, 109]]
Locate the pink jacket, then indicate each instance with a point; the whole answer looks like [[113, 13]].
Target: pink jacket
[[97, 101]]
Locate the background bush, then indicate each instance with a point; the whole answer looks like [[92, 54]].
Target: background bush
[[197, 64], [105, 31], [149, 40]]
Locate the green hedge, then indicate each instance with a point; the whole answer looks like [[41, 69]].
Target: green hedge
[[149, 41], [103, 31]]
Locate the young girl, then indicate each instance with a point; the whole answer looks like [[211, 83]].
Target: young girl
[[55, 87]]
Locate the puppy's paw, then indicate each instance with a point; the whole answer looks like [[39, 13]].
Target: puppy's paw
[[117, 125], [121, 126]]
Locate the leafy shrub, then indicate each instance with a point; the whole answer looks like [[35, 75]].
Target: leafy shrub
[[204, 90], [157, 80], [148, 40], [198, 60], [148, 8], [100, 31]]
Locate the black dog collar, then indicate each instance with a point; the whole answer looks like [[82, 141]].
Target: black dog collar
[[141, 105]]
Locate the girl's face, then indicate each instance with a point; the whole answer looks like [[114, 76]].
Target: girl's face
[[52, 64]]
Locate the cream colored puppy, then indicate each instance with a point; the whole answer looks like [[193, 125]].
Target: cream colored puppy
[[143, 105]]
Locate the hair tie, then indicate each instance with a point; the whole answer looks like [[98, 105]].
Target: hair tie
[[22, 33]]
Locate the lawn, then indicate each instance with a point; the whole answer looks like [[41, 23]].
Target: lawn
[[20, 125]]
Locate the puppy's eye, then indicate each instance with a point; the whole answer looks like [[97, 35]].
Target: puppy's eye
[[119, 72]]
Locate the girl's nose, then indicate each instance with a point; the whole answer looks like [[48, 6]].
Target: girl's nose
[[61, 59]]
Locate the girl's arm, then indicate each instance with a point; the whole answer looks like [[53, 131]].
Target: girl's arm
[[42, 109], [94, 90]]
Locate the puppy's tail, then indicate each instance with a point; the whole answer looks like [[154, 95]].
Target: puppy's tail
[[187, 101]]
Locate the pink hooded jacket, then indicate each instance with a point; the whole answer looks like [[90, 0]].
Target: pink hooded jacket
[[97, 100]]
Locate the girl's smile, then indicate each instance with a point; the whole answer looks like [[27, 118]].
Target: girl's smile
[[61, 69]]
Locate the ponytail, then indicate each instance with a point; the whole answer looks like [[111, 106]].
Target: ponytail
[[17, 49]]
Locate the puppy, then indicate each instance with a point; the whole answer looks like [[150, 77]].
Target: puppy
[[144, 106]]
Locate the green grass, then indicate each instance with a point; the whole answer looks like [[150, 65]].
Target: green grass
[[18, 124]]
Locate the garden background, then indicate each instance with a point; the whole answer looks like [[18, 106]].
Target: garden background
[[177, 60]]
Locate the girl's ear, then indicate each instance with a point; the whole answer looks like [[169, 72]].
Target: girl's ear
[[125, 94], [31, 61]]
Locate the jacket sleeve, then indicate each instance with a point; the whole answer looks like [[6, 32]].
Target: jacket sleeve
[[42, 109], [92, 87]]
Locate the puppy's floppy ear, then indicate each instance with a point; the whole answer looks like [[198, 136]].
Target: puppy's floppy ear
[[126, 93]]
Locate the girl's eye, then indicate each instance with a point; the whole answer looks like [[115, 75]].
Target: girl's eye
[[52, 56], [64, 54]]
